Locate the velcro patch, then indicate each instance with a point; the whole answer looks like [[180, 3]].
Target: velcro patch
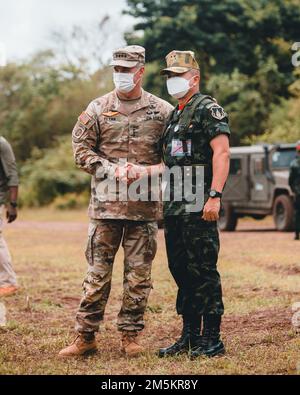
[[86, 120], [78, 133], [217, 112]]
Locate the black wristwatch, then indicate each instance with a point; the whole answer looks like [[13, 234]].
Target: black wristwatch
[[13, 204], [215, 194]]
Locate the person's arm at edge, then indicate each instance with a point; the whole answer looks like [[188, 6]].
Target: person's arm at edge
[[221, 164]]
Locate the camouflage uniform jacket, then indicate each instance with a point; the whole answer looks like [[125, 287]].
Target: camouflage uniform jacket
[[106, 133], [294, 178], [207, 121]]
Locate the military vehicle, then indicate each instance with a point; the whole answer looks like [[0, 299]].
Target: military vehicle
[[257, 186]]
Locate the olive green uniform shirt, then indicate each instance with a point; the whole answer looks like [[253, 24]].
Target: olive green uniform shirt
[[8, 169]]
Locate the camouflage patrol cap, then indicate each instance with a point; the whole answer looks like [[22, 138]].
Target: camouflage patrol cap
[[128, 56], [180, 62]]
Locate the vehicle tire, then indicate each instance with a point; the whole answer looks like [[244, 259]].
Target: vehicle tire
[[283, 213], [228, 219]]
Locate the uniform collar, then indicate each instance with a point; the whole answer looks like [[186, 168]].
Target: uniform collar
[[188, 103], [116, 103]]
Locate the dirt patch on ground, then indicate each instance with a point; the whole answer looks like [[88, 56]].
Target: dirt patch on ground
[[261, 320], [290, 270], [256, 328]]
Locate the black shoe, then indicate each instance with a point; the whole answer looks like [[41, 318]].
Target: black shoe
[[210, 344], [297, 236], [216, 347], [189, 340]]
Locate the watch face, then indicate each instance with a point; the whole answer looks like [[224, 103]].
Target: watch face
[[213, 193]]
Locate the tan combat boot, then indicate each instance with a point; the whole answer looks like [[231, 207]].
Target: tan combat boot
[[80, 346], [130, 345]]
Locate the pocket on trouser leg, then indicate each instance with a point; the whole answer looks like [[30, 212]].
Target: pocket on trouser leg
[[89, 252], [151, 248], [97, 283]]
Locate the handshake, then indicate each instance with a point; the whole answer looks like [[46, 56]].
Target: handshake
[[130, 173]]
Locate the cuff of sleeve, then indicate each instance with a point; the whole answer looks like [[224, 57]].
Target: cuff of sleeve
[[105, 169], [220, 129]]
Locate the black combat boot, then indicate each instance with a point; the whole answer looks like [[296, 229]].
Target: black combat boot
[[189, 340], [210, 343], [297, 236]]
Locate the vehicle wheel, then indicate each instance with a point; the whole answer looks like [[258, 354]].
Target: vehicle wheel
[[228, 219], [283, 213]]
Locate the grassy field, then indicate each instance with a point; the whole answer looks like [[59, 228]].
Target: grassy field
[[261, 281]]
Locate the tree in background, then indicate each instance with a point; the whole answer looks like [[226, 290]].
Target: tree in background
[[40, 100], [244, 48]]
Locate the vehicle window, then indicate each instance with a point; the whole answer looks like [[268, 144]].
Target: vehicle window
[[259, 166], [235, 166], [283, 158]]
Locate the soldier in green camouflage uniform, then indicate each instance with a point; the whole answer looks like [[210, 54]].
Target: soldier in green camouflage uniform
[[294, 181], [196, 135], [126, 123]]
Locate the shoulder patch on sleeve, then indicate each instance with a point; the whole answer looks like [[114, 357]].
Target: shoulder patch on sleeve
[[217, 112], [84, 118], [78, 133]]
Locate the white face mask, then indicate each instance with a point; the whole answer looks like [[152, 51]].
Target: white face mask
[[178, 87], [124, 81]]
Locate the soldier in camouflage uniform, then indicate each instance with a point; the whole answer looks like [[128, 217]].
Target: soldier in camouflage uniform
[[125, 124], [294, 182], [196, 135]]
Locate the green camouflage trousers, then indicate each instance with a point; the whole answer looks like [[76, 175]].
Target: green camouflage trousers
[[297, 213], [192, 248], [139, 244]]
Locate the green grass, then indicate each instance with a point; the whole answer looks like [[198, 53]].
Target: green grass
[[260, 283]]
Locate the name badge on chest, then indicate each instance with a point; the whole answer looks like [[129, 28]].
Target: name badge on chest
[[181, 148]]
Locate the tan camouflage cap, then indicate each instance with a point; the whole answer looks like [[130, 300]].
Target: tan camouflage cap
[[128, 56], [180, 62]]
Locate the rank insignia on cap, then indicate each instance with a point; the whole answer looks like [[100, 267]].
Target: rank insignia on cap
[[217, 112]]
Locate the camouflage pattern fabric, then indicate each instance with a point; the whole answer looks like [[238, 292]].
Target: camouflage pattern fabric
[[294, 182], [139, 242], [206, 122], [129, 56], [294, 178], [297, 214], [192, 243], [192, 249], [108, 131], [180, 62]]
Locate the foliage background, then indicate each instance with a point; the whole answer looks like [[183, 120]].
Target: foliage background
[[244, 50]]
